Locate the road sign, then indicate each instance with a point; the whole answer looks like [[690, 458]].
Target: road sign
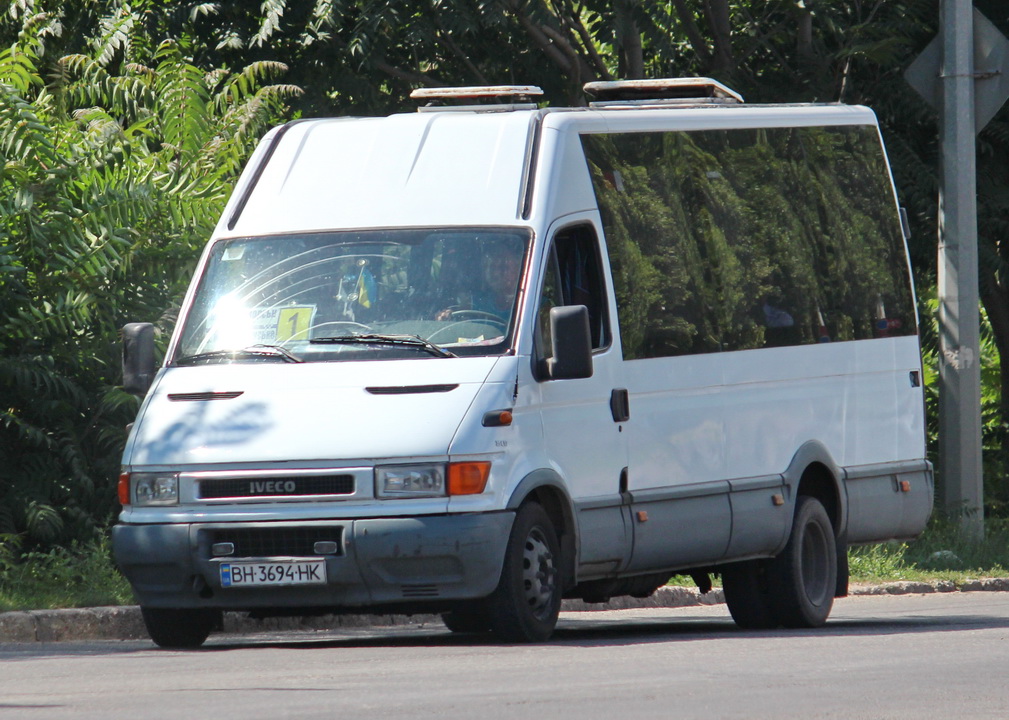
[[991, 71]]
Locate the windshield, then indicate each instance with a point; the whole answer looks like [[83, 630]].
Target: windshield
[[356, 295]]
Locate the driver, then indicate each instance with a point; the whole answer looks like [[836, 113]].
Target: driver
[[495, 296]]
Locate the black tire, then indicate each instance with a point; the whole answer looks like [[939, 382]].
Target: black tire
[[527, 600], [803, 578], [843, 570], [179, 628], [747, 594], [463, 622]]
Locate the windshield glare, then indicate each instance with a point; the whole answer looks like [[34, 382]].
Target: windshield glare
[[453, 288]]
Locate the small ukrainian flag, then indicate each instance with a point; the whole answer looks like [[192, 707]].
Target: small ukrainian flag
[[365, 288]]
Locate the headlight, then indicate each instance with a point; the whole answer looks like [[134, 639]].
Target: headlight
[[155, 488], [410, 481]]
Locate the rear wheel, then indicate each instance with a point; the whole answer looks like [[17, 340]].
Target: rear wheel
[[803, 578], [747, 594], [179, 627], [843, 571], [527, 600]]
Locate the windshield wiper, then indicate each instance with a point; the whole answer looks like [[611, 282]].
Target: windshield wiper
[[253, 351], [374, 339]]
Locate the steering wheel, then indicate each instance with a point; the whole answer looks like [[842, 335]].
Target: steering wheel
[[461, 315], [490, 320]]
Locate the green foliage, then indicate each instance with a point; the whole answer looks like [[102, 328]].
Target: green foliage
[[80, 575], [941, 553], [123, 126], [994, 430], [364, 56], [878, 563], [114, 174]]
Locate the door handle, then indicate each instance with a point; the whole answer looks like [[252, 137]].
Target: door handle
[[620, 405]]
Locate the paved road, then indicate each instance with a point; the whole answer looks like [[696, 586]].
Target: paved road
[[912, 656]]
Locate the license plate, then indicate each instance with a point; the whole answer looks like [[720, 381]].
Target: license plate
[[301, 572]]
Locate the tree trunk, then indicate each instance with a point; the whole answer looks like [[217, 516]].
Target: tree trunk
[[629, 38], [804, 32], [721, 30], [551, 40]]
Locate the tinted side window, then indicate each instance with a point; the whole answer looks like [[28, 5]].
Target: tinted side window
[[574, 277], [727, 240]]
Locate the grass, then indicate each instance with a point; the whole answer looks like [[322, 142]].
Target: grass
[[78, 576], [941, 553], [85, 576]]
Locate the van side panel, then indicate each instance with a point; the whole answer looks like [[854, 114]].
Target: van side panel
[[888, 501], [563, 181], [680, 526], [764, 301], [759, 524]]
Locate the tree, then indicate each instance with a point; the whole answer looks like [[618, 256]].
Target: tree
[[109, 190], [114, 174]]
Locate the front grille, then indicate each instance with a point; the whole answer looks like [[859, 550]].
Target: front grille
[[280, 541], [204, 396], [280, 486]]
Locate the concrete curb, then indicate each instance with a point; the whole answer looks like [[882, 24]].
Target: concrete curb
[[125, 622]]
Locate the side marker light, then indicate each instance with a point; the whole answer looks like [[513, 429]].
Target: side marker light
[[497, 418]]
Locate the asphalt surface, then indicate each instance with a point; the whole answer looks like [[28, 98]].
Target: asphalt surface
[[125, 622]]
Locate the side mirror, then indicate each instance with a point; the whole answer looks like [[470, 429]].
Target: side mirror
[[138, 358], [571, 343]]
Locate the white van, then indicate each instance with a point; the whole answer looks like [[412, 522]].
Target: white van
[[474, 360]]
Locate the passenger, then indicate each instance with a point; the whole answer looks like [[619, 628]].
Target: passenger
[[775, 317]]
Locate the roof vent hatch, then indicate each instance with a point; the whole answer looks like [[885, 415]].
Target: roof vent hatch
[[482, 97], [661, 91]]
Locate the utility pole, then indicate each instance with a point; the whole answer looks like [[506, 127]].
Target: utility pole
[[959, 361], [962, 74]]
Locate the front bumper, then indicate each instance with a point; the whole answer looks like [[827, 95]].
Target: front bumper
[[382, 562]]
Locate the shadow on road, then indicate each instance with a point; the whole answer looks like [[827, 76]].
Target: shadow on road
[[589, 632], [581, 629]]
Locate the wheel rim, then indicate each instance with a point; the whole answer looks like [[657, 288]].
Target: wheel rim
[[815, 564], [538, 573]]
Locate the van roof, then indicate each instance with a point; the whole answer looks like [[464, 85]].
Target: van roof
[[472, 168]]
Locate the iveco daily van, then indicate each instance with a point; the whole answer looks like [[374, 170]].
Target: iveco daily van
[[476, 359]]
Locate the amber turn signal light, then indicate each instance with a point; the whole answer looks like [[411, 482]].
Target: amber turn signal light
[[467, 478], [124, 489], [497, 418]]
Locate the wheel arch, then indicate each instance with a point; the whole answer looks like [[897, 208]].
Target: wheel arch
[[814, 473], [545, 486]]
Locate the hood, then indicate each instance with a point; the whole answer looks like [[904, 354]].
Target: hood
[[277, 412]]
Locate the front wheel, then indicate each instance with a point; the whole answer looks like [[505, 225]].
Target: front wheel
[[179, 628], [525, 605], [463, 622]]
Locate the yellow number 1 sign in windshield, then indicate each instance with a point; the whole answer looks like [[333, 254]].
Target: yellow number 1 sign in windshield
[[293, 323]]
